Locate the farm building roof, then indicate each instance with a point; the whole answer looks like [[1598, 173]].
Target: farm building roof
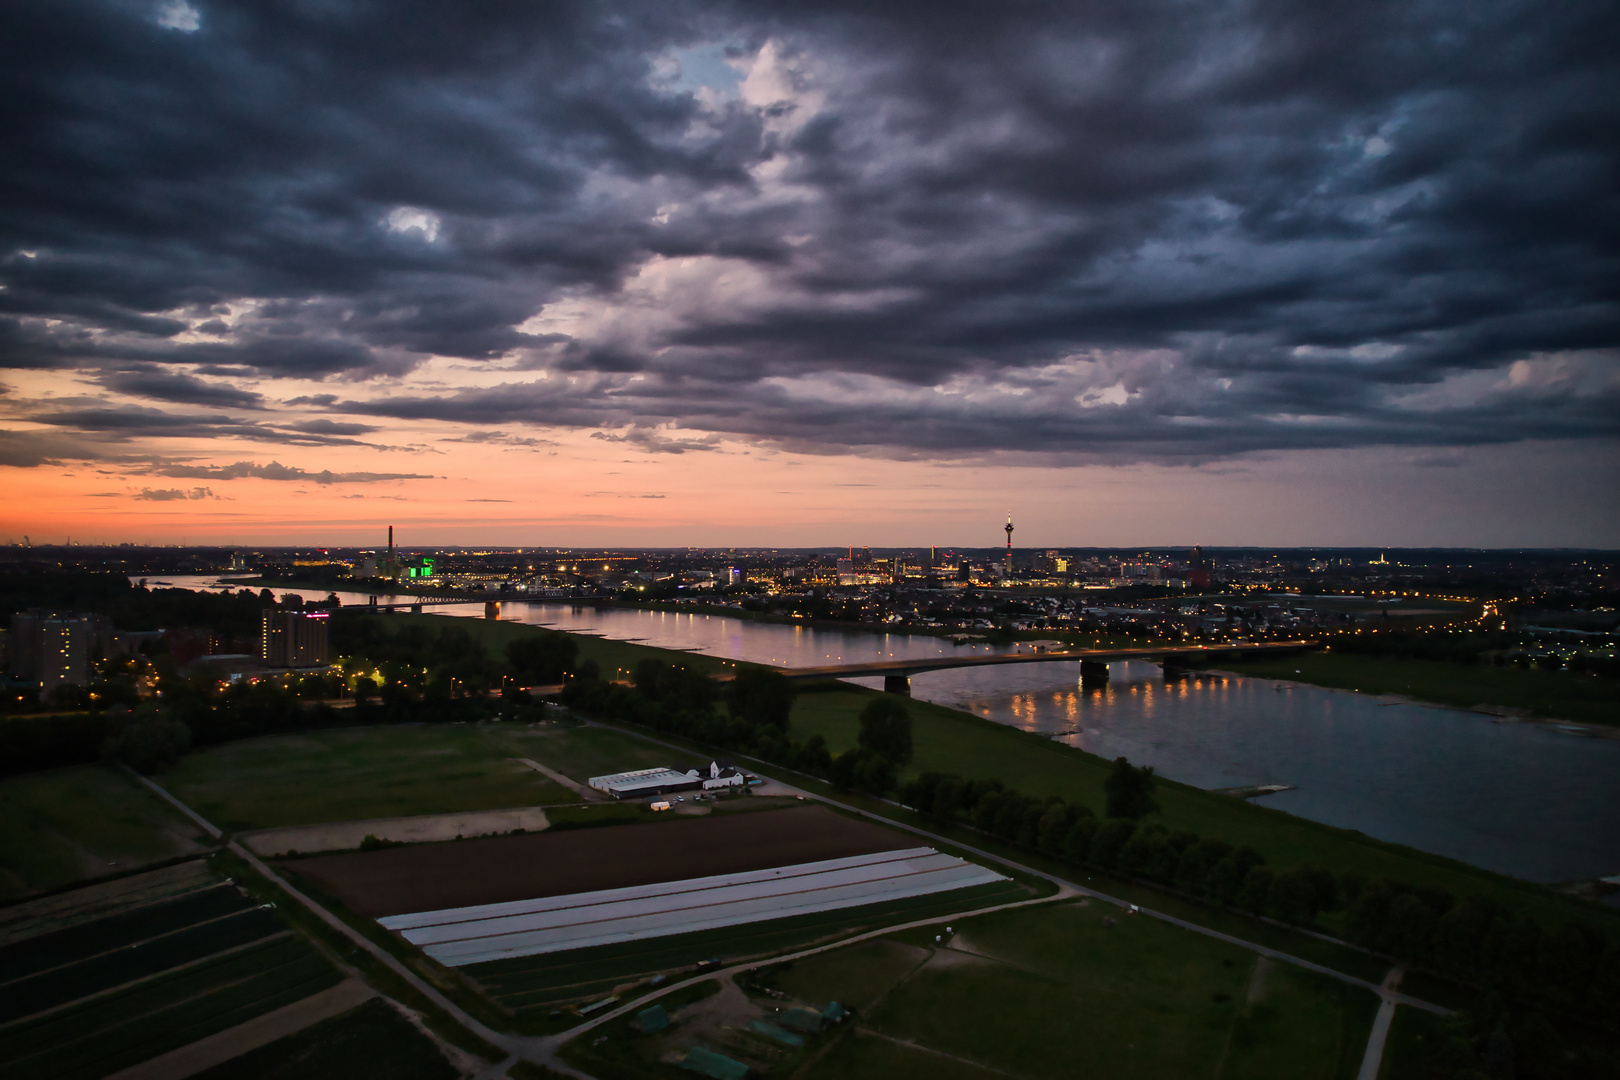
[[776, 1034], [716, 1065], [801, 1019], [652, 1019], [645, 782]]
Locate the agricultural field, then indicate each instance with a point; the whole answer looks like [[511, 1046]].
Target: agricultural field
[[92, 987], [520, 871], [84, 822], [486, 933], [494, 870], [956, 742], [370, 1040], [536, 984]]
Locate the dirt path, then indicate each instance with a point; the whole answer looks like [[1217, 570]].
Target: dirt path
[[864, 1032], [233, 1042], [418, 829], [572, 785]]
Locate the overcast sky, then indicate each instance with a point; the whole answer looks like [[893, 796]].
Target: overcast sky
[[665, 273]]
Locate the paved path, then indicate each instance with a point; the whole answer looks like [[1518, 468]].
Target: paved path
[[222, 1046], [1373, 1059], [207, 826]]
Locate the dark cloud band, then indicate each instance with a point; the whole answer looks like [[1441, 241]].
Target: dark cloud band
[[1146, 231]]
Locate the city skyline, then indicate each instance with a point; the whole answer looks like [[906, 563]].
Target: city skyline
[[753, 275]]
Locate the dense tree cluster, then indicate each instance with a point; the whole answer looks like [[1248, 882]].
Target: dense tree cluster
[[129, 605], [409, 675]]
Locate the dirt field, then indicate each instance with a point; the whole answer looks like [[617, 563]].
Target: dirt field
[[421, 829], [501, 868]]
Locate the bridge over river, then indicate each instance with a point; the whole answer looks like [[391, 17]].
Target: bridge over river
[[1093, 662]]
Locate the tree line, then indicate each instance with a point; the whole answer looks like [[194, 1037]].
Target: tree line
[[1568, 966]]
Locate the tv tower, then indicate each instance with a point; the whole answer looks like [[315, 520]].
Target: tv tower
[[1009, 545]]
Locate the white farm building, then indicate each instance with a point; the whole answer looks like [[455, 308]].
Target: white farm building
[[641, 783]]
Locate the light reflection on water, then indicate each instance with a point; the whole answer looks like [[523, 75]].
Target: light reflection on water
[[1522, 799]]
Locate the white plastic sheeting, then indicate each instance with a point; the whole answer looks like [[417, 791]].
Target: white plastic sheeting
[[473, 935]]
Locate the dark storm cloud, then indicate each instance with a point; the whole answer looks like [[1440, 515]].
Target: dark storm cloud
[[1116, 231], [123, 423], [276, 471], [179, 388]]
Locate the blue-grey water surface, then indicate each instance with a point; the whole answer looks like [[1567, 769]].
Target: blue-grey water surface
[[1519, 798]]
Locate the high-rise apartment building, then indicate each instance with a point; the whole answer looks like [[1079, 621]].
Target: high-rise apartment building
[[294, 639], [54, 649]]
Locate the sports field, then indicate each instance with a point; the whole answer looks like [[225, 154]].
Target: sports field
[[502, 869], [89, 821]]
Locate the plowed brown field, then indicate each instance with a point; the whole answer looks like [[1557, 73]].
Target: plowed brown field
[[496, 869]]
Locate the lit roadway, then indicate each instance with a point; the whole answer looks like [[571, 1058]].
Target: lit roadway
[[907, 668]]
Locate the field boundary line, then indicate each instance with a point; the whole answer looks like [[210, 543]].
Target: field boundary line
[[33, 1017], [163, 793], [1062, 883], [129, 945], [873, 1033], [249, 1035]]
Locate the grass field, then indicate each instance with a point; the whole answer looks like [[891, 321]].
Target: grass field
[[1052, 991], [356, 773], [957, 742], [68, 825], [1556, 695], [371, 1040], [580, 752], [371, 772]]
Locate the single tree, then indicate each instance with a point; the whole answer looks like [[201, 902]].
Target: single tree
[[886, 730], [761, 697], [1129, 790]]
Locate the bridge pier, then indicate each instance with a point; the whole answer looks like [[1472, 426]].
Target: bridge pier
[[897, 684], [492, 609], [416, 609], [1093, 673]]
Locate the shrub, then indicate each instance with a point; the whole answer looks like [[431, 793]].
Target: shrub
[[148, 742]]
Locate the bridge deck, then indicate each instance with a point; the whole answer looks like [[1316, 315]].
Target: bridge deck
[[942, 663]]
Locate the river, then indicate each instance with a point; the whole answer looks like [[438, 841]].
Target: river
[[1525, 799]]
